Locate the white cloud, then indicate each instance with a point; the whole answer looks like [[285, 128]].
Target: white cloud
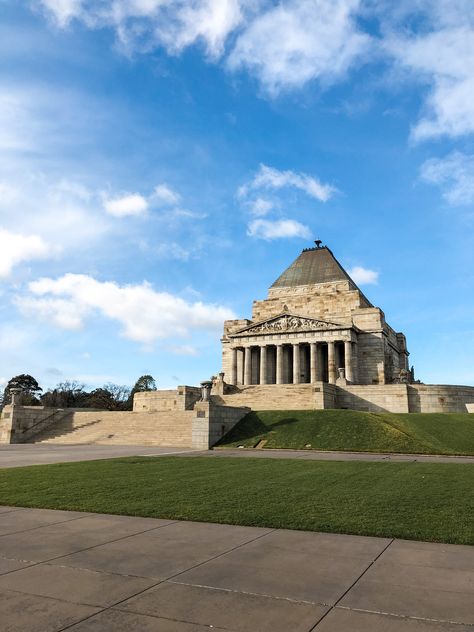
[[127, 204], [63, 10], [38, 127], [363, 276], [145, 24], [287, 44], [301, 40], [17, 248], [183, 212], [144, 314], [61, 212], [454, 174], [164, 194], [277, 229], [440, 55], [284, 46], [261, 206], [208, 20], [270, 178]]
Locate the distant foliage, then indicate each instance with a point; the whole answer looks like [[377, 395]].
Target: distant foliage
[[144, 383], [72, 394], [68, 394], [29, 387]]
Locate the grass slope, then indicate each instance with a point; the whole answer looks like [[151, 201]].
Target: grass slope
[[423, 433], [420, 501]]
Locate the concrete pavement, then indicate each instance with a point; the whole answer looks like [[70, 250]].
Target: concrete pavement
[[41, 453], [320, 455], [18, 454], [63, 570]]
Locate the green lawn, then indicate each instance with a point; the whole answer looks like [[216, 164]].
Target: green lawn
[[423, 433], [421, 501]]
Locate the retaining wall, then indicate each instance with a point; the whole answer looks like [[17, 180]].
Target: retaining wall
[[182, 398], [212, 422], [18, 424], [396, 398]]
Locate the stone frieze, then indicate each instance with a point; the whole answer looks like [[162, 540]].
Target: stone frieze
[[286, 323]]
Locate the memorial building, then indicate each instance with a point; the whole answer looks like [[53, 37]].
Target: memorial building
[[315, 326]]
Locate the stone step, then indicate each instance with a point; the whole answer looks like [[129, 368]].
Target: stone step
[[132, 428]]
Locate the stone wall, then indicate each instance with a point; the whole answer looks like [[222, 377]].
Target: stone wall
[[18, 424], [171, 418], [324, 396], [212, 422], [441, 398], [370, 358], [6, 424], [397, 398], [328, 301], [388, 397], [182, 398]]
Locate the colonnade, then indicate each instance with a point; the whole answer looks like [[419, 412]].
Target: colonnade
[[292, 363]]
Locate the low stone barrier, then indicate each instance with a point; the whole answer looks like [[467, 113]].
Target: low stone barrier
[[212, 422]]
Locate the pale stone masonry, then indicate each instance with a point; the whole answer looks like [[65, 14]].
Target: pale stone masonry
[[315, 326]]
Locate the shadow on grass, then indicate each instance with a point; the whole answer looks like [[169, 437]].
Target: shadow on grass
[[252, 428]]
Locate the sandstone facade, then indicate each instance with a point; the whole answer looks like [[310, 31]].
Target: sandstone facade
[[316, 325]]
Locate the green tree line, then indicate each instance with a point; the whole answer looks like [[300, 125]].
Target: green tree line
[[72, 394]]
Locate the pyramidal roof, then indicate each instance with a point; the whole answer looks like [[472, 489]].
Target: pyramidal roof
[[314, 265]]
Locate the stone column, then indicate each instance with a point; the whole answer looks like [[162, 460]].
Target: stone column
[[313, 362], [296, 364], [263, 365], [279, 364], [331, 363], [233, 367], [247, 366], [348, 361], [355, 363]]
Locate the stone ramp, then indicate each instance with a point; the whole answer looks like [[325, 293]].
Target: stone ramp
[[121, 428]]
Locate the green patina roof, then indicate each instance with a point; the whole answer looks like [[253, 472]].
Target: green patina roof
[[314, 265]]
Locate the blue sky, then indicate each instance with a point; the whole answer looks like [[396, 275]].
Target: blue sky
[[163, 161]]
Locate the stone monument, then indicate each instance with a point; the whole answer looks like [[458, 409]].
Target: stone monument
[[314, 323]]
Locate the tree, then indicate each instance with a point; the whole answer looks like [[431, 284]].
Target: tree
[[143, 384], [101, 399], [68, 394], [28, 386], [120, 395]]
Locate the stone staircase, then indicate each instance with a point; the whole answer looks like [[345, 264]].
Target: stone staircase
[[271, 397], [121, 428]]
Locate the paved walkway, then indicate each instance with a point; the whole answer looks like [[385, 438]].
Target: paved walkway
[[319, 455], [63, 570], [40, 453]]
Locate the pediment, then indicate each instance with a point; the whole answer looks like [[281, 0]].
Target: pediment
[[286, 323]]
